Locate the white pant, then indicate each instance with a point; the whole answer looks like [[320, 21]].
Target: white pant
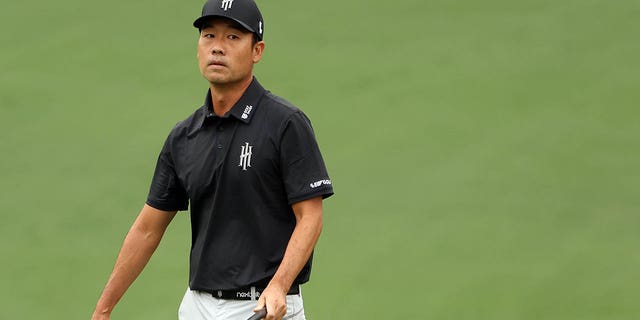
[[198, 305]]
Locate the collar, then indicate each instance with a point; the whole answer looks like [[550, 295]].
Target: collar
[[243, 110]]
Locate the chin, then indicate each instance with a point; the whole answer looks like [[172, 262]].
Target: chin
[[216, 79], [219, 82]]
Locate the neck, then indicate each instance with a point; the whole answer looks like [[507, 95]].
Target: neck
[[225, 96]]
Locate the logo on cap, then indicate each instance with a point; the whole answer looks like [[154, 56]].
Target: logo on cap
[[226, 4]]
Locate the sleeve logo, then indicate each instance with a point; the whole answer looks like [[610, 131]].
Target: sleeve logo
[[316, 184]]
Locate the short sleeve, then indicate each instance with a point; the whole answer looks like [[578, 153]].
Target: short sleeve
[[166, 192], [303, 170]]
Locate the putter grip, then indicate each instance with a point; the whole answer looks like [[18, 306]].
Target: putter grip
[[259, 315]]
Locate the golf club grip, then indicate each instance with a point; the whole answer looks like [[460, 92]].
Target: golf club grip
[[259, 315]]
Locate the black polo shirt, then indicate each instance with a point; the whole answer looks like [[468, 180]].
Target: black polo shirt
[[240, 173]]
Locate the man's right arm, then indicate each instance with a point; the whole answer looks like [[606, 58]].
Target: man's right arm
[[140, 243]]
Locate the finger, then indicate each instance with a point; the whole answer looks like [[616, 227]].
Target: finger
[[260, 305], [260, 314], [275, 310], [271, 311]]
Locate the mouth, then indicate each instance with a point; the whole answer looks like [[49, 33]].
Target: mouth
[[216, 63]]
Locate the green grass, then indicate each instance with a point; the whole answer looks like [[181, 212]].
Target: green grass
[[484, 154]]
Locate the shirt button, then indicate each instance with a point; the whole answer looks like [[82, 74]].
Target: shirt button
[[219, 146]]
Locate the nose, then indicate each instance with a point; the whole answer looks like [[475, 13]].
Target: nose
[[216, 47], [217, 50]]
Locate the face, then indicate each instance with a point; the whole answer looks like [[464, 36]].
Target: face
[[226, 52]]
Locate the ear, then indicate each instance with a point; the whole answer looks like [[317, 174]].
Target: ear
[[258, 49]]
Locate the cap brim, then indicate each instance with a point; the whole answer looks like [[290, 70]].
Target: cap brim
[[199, 23]]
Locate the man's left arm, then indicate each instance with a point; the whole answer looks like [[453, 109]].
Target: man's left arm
[[305, 235]]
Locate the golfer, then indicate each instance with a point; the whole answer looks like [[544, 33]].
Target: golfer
[[248, 165]]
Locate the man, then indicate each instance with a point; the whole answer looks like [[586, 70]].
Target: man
[[248, 165]]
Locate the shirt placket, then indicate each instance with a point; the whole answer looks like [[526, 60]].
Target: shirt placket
[[225, 129]]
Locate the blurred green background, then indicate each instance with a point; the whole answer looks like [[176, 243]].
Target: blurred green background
[[485, 154]]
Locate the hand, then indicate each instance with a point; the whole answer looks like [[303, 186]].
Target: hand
[[275, 299], [100, 316]]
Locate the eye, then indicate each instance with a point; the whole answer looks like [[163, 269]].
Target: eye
[[233, 37], [208, 35]]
